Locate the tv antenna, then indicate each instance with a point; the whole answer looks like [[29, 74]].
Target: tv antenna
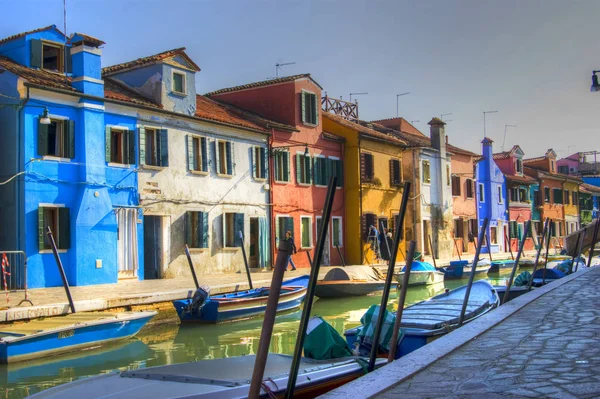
[[279, 65], [356, 94]]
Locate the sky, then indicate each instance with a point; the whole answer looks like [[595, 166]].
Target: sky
[[530, 60]]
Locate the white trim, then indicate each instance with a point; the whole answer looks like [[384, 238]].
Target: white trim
[[87, 49], [48, 205], [183, 75], [58, 117], [88, 79], [340, 232], [310, 231], [91, 106], [118, 127], [334, 158]]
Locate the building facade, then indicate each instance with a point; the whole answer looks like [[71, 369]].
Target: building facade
[[464, 206]]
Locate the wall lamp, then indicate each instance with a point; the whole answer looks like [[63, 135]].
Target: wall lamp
[[44, 118], [595, 84], [280, 149]]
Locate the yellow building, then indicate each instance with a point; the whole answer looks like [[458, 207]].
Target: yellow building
[[571, 204], [373, 185]]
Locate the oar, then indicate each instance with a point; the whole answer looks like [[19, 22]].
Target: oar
[[432, 253], [539, 251], [189, 258], [245, 260], [60, 269], [396, 331], [388, 278], [482, 236], [594, 241], [514, 269], [310, 292]]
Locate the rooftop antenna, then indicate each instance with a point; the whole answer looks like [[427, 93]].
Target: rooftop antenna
[[504, 139], [356, 94], [279, 65], [413, 122], [65, 19], [442, 115], [397, 96], [486, 112]]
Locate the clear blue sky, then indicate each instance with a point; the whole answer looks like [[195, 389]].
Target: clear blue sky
[[529, 59]]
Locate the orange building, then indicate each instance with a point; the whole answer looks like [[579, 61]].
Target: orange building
[[464, 205]]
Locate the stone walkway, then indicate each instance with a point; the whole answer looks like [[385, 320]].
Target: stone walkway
[[547, 349]]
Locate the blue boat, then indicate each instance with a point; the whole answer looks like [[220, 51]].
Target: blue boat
[[428, 320], [239, 305], [498, 265], [60, 334], [455, 270], [545, 276]]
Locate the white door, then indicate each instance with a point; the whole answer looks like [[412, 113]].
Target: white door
[[326, 261], [127, 244]]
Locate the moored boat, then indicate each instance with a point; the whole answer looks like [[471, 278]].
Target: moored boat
[[239, 305], [545, 276], [483, 267], [60, 334], [348, 281], [421, 273], [499, 265], [455, 270]]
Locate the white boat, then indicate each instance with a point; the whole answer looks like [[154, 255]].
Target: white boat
[[483, 266], [421, 273]]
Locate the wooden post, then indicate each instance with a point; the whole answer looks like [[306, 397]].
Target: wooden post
[[537, 257], [245, 260], [487, 241], [388, 278], [547, 253], [457, 251], [310, 262], [577, 251], [401, 301], [60, 268], [341, 256], [509, 245], [432, 251], [482, 236], [594, 241], [514, 269], [189, 258]]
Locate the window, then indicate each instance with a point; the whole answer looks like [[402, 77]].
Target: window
[[470, 190], [336, 229], [259, 162], [519, 166], [426, 172], [57, 139], [536, 198], [512, 229], [57, 218], [455, 186], [395, 173], [154, 147], [197, 152], [473, 229], [320, 171], [563, 169], [557, 194], [310, 108], [179, 82], [49, 56], [283, 224], [282, 166], [367, 167], [120, 146], [337, 169], [196, 229], [575, 198], [448, 175], [303, 169], [458, 228], [225, 155], [546, 194], [493, 235], [551, 166], [514, 194], [523, 195], [233, 225], [395, 224], [499, 194], [368, 220], [481, 193], [306, 231], [567, 197]]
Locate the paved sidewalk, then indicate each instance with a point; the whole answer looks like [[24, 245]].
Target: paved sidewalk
[[545, 346]]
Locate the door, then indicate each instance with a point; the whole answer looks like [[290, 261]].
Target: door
[[254, 239], [326, 249], [153, 247], [127, 243]]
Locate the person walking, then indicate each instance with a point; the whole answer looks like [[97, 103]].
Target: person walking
[[290, 239]]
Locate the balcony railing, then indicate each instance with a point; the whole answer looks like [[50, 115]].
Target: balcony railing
[[345, 109]]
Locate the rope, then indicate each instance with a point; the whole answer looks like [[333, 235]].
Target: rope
[[267, 389], [5, 265]]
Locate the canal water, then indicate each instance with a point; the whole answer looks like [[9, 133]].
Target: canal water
[[170, 344]]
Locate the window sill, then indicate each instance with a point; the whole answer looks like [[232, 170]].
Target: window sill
[[119, 165], [230, 249], [178, 93], [320, 185], [281, 182], [49, 251], [224, 175], [199, 172], [307, 248], [304, 184], [153, 167], [197, 250], [260, 179], [427, 183], [310, 124], [57, 159]]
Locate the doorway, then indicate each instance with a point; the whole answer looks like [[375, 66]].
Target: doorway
[[154, 247], [326, 248], [127, 243], [254, 239]]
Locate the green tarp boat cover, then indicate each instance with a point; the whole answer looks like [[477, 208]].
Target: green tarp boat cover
[[522, 279], [366, 330], [323, 342]]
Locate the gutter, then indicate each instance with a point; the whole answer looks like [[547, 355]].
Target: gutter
[[19, 161], [360, 201]]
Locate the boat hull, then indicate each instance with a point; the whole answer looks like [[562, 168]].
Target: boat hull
[[479, 270], [497, 266], [514, 292], [70, 338], [421, 278], [343, 288]]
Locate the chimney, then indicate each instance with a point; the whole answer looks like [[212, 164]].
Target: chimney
[[486, 149], [438, 135], [86, 58]]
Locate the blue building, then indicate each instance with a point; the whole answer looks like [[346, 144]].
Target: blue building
[[491, 199]]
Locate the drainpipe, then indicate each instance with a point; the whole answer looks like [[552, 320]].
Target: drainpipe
[[344, 223], [18, 183], [360, 200], [415, 196], [270, 210]]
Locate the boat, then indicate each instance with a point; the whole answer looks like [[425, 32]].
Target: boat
[[565, 265], [498, 265], [60, 334], [428, 320], [455, 270], [483, 267], [341, 282], [514, 292], [421, 273], [545, 276], [241, 305], [526, 262]]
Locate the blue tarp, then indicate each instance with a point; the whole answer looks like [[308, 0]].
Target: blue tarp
[[418, 266]]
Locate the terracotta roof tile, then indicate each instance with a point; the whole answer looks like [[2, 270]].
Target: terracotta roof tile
[[333, 137], [411, 139], [457, 150], [400, 124], [140, 62], [521, 179], [118, 91], [590, 188], [88, 39], [37, 76], [529, 160], [18, 35], [261, 84], [360, 128]]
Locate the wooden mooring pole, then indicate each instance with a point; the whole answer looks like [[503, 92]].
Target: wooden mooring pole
[[539, 251], [516, 264], [189, 258], [60, 268]]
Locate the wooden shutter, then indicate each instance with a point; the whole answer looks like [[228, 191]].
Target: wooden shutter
[[64, 229], [303, 108], [108, 144], [41, 230], [164, 147], [229, 152], [218, 157], [238, 225], [299, 168], [317, 170], [67, 60], [265, 161], [315, 109], [363, 176], [392, 174], [287, 165], [42, 141], [199, 227], [309, 169], [36, 53], [69, 139], [142, 134], [130, 134], [253, 162], [205, 230], [189, 229], [205, 152], [330, 169], [190, 152], [365, 228]]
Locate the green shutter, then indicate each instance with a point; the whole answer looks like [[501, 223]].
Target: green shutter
[[315, 109], [330, 169], [265, 160], [238, 225], [218, 157], [131, 147], [303, 110], [36, 53], [309, 169], [228, 152], [199, 216], [108, 144], [317, 170], [42, 139], [142, 134], [253, 162], [67, 59], [204, 149], [69, 141], [299, 168], [41, 230], [286, 167], [204, 230], [189, 229], [190, 152], [64, 229], [164, 147]]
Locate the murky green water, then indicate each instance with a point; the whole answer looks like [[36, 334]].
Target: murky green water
[[177, 344]]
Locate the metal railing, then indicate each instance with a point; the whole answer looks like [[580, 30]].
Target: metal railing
[[16, 271]]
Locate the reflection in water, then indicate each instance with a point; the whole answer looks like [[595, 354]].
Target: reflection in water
[[171, 344]]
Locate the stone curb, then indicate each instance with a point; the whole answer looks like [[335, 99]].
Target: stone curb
[[392, 374]]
